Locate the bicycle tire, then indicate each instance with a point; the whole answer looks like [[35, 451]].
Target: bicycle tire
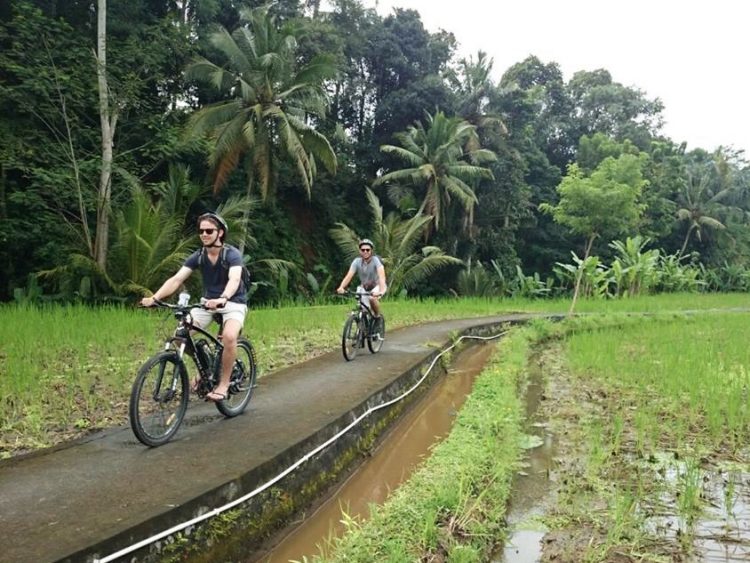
[[350, 338], [156, 411], [242, 382], [376, 336]]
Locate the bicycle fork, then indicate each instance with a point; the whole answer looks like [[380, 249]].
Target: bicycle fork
[[172, 389]]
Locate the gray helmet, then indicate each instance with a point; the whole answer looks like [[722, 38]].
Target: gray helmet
[[366, 241], [216, 220]]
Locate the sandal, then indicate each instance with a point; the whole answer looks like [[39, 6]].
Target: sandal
[[216, 397]]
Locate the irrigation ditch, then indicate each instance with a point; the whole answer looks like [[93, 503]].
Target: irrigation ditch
[[403, 447]]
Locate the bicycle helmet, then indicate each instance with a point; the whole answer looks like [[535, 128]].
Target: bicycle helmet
[[216, 220], [366, 241]]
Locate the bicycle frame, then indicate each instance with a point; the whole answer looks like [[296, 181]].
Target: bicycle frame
[[363, 312], [183, 340]]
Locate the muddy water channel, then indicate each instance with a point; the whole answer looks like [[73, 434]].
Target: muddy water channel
[[405, 446], [531, 486]]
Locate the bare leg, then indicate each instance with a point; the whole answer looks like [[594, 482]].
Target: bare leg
[[375, 305], [230, 335]]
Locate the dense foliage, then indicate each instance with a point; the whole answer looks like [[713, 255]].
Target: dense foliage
[[282, 117]]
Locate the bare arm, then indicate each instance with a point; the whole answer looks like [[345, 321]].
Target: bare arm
[[381, 279], [168, 287], [233, 283], [345, 282]]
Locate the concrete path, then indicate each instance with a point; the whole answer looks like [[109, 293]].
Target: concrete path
[[91, 498]]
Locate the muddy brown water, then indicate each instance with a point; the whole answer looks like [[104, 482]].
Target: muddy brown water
[[401, 451]]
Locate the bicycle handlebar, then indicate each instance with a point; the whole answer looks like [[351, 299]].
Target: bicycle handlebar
[[348, 293], [158, 303]]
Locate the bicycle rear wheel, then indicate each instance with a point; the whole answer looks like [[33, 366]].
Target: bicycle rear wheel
[[159, 399], [242, 382], [377, 334], [350, 338]]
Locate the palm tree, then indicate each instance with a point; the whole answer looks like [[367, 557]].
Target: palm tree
[[397, 243], [149, 244], [435, 156], [267, 106], [700, 205], [474, 86]]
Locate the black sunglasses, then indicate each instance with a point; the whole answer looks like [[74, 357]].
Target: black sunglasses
[[365, 249], [207, 231]]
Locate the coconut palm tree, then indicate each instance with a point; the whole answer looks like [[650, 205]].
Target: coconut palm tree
[[436, 157], [398, 244], [267, 107], [700, 205]]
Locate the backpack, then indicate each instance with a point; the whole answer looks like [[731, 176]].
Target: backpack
[[244, 277]]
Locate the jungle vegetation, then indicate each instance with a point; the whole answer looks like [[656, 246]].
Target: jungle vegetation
[[309, 126]]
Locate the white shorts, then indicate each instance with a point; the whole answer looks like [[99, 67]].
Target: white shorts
[[366, 298], [236, 311]]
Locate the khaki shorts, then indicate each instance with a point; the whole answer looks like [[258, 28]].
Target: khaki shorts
[[236, 311]]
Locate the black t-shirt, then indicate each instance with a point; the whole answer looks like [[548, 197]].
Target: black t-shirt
[[215, 276]]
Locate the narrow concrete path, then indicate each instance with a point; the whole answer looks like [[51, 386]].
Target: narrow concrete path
[[93, 497]]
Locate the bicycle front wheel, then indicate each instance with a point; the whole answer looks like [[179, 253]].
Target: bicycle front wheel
[[377, 334], [242, 382], [350, 338], [159, 399]]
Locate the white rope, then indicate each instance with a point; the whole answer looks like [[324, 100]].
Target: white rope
[[288, 470]]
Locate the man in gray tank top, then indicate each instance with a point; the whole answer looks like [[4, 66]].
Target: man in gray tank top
[[371, 275]]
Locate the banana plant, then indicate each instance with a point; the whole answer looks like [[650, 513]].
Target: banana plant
[[595, 278], [634, 270]]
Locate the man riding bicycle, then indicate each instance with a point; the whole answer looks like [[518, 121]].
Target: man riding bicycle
[[371, 276], [222, 289]]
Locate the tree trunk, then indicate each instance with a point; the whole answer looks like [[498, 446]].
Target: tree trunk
[[246, 213], [108, 121], [7, 263], [685, 242]]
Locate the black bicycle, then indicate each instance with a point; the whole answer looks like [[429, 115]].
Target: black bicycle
[[159, 398], [362, 326]]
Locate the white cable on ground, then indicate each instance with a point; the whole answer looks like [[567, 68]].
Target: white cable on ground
[[295, 465]]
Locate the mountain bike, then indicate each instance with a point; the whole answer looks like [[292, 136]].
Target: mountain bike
[[362, 326], [159, 398]]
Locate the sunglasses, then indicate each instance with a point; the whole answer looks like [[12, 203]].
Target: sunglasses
[[365, 249], [206, 231]]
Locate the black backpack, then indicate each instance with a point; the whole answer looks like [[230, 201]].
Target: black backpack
[[245, 277]]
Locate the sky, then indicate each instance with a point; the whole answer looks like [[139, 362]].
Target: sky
[[692, 55]]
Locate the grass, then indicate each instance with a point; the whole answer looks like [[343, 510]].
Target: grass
[[65, 370], [694, 370]]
